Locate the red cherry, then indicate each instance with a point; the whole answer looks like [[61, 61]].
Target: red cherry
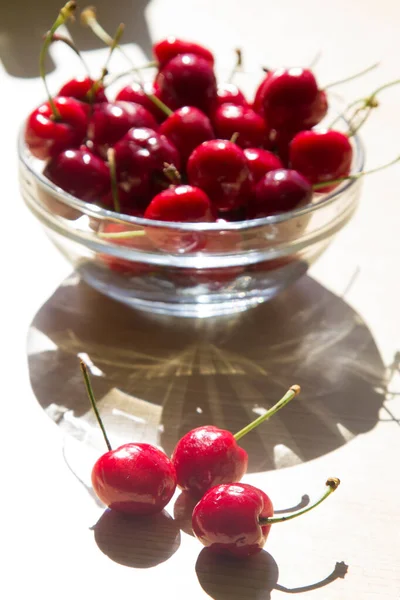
[[167, 49], [208, 456], [111, 121], [137, 479], [220, 168], [279, 191], [186, 128], [290, 99], [321, 156], [46, 137], [231, 118], [137, 93], [80, 88], [230, 93], [187, 80], [80, 173], [261, 162], [227, 519]]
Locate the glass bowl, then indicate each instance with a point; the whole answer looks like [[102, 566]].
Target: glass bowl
[[191, 270]]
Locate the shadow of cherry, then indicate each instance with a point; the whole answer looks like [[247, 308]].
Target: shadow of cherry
[[140, 542], [183, 510]]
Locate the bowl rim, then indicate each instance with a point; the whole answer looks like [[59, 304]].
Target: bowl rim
[[92, 210]]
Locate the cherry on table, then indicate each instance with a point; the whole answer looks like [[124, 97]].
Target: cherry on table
[[229, 119], [279, 191], [171, 46], [230, 93], [84, 89], [187, 128], [220, 168], [209, 456], [80, 173], [235, 519], [261, 161], [136, 478], [187, 80]]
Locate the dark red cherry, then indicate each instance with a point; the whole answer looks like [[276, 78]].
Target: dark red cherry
[[187, 128], [230, 93], [167, 49], [321, 156], [290, 99], [80, 173], [261, 162], [46, 137], [135, 92], [111, 121], [231, 118], [220, 169], [187, 80], [279, 191], [83, 89]]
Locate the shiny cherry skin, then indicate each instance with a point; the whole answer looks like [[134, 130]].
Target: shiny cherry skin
[[220, 169], [187, 80], [321, 156], [261, 162], [46, 137], [226, 520], [290, 99], [279, 191], [136, 479], [80, 173], [231, 118], [230, 93], [187, 128], [208, 456], [137, 93], [80, 89], [112, 120], [170, 47]]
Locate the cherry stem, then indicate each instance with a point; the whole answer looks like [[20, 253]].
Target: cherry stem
[[65, 13], [117, 76], [238, 64], [68, 42], [89, 390], [159, 103], [122, 235], [351, 77], [172, 173], [234, 137], [290, 394], [323, 184], [113, 175], [315, 60], [89, 19], [332, 485]]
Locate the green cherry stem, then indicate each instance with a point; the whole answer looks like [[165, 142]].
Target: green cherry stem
[[323, 184], [122, 235], [332, 485], [315, 60], [351, 77], [290, 394], [70, 43], [64, 15], [238, 64], [159, 103], [90, 394], [113, 175]]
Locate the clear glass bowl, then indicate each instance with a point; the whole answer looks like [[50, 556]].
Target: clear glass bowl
[[201, 269]]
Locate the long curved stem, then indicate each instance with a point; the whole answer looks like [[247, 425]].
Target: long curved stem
[[332, 485], [290, 394], [238, 64], [93, 401], [351, 77], [68, 42], [323, 184]]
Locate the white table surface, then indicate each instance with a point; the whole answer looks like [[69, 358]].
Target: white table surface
[[335, 333]]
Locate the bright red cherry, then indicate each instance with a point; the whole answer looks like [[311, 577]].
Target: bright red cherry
[[261, 162], [230, 93], [321, 156], [135, 92], [229, 119], [46, 136], [167, 49], [290, 99], [220, 168], [279, 191], [187, 80], [208, 456], [80, 173], [187, 128], [82, 88], [112, 120], [136, 479], [236, 519]]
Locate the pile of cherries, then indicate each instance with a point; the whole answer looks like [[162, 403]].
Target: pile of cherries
[[187, 148], [229, 517]]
